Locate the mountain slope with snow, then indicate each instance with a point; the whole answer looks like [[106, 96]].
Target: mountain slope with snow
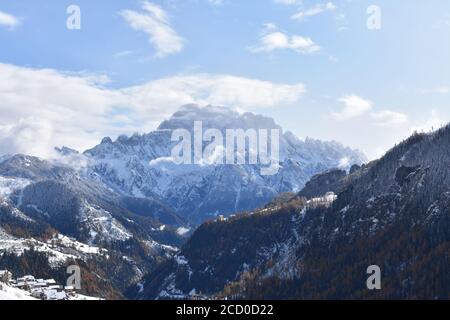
[[10, 293], [140, 165], [127, 198], [393, 212], [43, 203]]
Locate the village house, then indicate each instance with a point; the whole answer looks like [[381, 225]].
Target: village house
[[44, 289], [324, 201]]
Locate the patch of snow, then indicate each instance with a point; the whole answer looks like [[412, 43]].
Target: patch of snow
[[345, 209], [58, 250], [14, 211], [4, 235], [170, 290], [78, 246], [183, 231], [325, 201], [9, 185], [83, 297], [151, 244], [101, 223], [193, 292], [36, 208], [9, 293], [181, 260]]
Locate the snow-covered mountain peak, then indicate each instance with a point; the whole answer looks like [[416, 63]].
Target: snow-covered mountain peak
[[216, 117], [141, 165]]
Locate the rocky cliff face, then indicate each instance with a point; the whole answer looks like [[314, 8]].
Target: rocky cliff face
[[320, 184]]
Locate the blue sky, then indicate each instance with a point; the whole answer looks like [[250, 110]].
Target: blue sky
[[312, 65]]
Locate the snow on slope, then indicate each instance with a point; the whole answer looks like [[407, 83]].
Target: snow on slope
[[101, 223], [14, 212], [9, 293], [58, 250], [81, 247], [9, 185]]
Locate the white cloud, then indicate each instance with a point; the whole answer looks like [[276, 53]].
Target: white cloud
[[313, 11], [155, 22], [354, 106], [289, 2], [443, 90], [344, 162], [124, 53], [272, 40], [42, 108], [439, 90], [8, 20], [376, 131], [213, 89], [388, 118], [28, 135], [161, 161]]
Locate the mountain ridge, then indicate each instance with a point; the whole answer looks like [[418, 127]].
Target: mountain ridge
[[123, 165]]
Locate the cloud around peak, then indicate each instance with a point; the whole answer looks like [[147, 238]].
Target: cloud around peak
[[44, 108]]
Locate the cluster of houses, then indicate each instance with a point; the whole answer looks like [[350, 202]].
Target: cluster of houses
[[324, 201], [43, 289], [319, 202]]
